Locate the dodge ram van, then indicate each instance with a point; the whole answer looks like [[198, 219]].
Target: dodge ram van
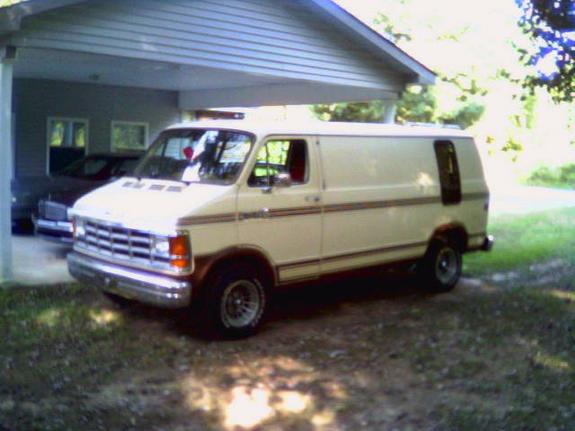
[[218, 214]]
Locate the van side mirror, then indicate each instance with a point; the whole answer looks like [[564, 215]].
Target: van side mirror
[[282, 180]]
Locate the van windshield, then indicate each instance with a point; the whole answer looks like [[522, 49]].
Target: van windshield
[[196, 156]]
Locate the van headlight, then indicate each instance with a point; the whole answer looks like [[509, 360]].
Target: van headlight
[[161, 245], [176, 249]]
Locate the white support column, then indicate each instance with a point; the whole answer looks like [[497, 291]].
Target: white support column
[[6, 161], [390, 112]]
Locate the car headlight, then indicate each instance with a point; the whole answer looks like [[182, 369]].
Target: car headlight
[[14, 199]]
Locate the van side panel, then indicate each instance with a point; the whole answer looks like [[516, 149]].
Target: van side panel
[[382, 198], [473, 208]]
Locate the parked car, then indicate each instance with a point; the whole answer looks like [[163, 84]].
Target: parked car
[[78, 178], [219, 214], [52, 221]]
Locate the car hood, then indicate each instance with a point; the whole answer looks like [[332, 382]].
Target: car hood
[[34, 188], [154, 204], [69, 197]]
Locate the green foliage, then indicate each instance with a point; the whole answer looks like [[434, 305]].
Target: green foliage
[[361, 112], [550, 25], [418, 105], [561, 177], [4, 3]]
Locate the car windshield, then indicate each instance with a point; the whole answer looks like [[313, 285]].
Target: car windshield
[[89, 167], [196, 156]]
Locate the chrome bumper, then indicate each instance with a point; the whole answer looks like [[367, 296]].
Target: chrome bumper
[[158, 290], [55, 231], [488, 243]]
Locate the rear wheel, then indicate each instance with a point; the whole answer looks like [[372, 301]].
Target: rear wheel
[[236, 301], [441, 267]]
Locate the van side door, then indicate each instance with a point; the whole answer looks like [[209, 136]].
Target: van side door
[[279, 206]]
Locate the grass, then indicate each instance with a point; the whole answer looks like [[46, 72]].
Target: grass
[[526, 240], [351, 355]]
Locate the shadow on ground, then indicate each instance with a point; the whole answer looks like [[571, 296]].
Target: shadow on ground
[[368, 353]]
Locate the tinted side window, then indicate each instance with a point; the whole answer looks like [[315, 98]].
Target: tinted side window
[[448, 172], [280, 157]]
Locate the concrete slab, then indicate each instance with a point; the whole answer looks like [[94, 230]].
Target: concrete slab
[[38, 262]]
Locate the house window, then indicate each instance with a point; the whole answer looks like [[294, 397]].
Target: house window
[[67, 142], [129, 136], [449, 177]]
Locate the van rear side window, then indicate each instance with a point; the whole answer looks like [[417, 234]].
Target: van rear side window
[[448, 172]]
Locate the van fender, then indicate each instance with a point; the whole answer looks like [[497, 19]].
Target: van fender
[[205, 265]]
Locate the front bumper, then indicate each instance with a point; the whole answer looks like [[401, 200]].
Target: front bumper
[[159, 290], [56, 231]]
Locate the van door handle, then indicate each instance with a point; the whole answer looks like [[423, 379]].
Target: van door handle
[[314, 198]]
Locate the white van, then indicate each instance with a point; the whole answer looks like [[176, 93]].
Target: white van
[[220, 213]]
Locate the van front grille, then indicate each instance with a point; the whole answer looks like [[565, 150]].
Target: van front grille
[[121, 244]]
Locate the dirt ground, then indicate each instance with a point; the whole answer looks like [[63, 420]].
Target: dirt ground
[[374, 353]]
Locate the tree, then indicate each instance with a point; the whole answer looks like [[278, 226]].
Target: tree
[[551, 27], [458, 96]]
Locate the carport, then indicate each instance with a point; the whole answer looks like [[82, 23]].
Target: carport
[[102, 64]]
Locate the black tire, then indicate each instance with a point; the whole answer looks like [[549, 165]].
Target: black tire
[[235, 301], [441, 267], [118, 301]]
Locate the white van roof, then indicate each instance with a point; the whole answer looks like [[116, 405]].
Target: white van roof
[[313, 128]]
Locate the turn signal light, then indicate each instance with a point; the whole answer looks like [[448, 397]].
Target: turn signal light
[[180, 252]]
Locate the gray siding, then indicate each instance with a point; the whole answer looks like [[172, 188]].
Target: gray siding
[[36, 100], [273, 37]]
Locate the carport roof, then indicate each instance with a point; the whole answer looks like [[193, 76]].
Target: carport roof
[[11, 17]]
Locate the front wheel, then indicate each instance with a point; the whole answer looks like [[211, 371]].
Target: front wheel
[[441, 267], [236, 301]]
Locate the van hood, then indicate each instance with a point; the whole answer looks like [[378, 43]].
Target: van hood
[[146, 204]]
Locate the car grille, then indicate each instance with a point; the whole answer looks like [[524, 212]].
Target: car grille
[[122, 244], [53, 211]]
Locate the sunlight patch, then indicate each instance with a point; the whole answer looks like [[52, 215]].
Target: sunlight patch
[[563, 295], [262, 391], [552, 362], [104, 317], [248, 408], [49, 317]]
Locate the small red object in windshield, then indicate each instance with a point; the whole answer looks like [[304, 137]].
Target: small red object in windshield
[[188, 153]]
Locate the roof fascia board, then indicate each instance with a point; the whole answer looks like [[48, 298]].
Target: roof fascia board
[[11, 16], [424, 74]]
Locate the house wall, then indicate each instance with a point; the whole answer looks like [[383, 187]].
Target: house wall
[[36, 100]]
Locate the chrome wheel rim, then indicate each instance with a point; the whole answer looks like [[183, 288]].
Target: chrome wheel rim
[[447, 266], [241, 304]]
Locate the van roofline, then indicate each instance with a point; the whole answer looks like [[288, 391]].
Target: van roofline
[[323, 128]]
